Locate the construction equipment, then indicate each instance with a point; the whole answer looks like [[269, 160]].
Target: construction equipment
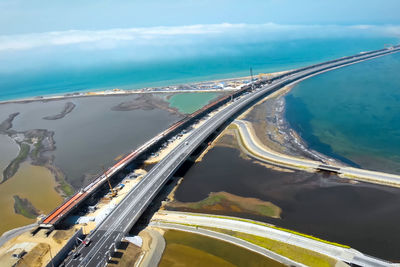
[[113, 192]]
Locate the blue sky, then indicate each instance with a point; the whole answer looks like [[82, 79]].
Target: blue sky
[[28, 16], [58, 43], [53, 34]]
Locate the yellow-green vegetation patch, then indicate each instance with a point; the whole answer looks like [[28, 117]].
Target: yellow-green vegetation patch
[[36, 149], [24, 207], [65, 187], [180, 255], [223, 201], [272, 226], [188, 249], [14, 165], [298, 254]]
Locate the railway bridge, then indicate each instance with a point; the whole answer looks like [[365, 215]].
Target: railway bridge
[[113, 228]]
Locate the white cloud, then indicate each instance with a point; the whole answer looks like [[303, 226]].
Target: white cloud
[[112, 37]]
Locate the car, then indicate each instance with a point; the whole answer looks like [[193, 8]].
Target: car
[[186, 143], [87, 241], [76, 255]]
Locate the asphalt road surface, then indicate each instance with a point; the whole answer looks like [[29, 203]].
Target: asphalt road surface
[[128, 211]]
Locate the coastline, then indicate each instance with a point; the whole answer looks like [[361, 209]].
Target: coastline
[[196, 87], [39, 141], [270, 126]]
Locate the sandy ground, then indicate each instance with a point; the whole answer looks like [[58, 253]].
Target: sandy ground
[[232, 84], [39, 248], [40, 245], [57, 238], [153, 247], [105, 205]]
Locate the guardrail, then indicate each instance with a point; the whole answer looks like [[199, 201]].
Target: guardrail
[[63, 253], [185, 122]]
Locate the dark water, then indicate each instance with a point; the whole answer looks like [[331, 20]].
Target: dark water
[[92, 135], [363, 216]]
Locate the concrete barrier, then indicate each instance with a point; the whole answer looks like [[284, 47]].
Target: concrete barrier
[[62, 254]]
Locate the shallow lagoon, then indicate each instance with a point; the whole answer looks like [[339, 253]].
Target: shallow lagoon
[[92, 135], [34, 183], [190, 102], [9, 150]]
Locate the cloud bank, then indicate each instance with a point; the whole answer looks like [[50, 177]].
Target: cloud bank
[[156, 36]]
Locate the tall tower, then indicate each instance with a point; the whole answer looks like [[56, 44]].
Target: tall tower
[[252, 80]]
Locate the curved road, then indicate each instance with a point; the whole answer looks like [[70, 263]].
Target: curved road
[[124, 216], [254, 148], [344, 254], [230, 239]]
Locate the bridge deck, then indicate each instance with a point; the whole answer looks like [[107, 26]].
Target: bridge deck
[[324, 167], [57, 215]]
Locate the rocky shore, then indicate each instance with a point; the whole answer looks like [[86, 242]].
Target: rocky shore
[[268, 120]]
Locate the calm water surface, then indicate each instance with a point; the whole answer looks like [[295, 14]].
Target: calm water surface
[[363, 216], [92, 135], [9, 150], [228, 60], [352, 113], [190, 102]]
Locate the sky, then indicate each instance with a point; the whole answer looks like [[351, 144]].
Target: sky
[[37, 16], [71, 35]]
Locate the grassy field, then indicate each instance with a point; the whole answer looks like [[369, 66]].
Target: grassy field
[[223, 201], [14, 165], [186, 249], [298, 254], [275, 227], [24, 207]]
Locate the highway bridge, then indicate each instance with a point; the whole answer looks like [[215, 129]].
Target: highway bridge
[[253, 148], [110, 232]]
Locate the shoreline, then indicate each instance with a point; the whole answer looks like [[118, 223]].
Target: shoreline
[[270, 126], [195, 87], [39, 144]]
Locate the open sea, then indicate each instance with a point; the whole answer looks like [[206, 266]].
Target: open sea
[[352, 113], [40, 72]]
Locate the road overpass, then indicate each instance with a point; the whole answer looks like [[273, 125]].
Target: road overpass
[[169, 219], [230, 239], [124, 216], [254, 148]]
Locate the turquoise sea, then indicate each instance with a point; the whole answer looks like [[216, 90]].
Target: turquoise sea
[[352, 113], [188, 103], [64, 70]]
